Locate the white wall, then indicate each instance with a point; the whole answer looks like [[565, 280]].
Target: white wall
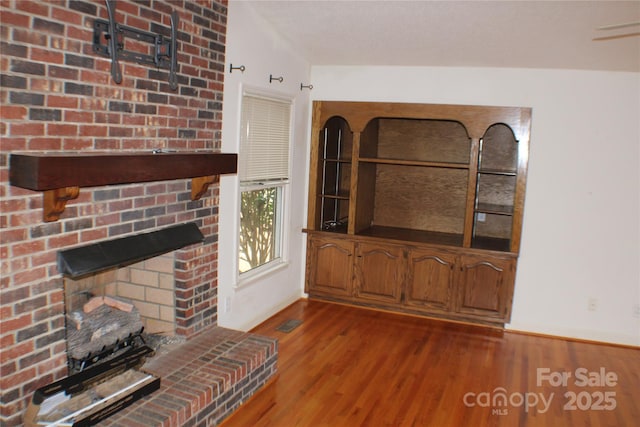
[[250, 42], [581, 236]]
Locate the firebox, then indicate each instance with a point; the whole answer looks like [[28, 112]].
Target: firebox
[[117, 289]]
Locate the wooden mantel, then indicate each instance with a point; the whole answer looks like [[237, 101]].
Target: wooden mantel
[[61, 175]]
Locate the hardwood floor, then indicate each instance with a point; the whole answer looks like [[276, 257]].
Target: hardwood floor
[[347, 366]]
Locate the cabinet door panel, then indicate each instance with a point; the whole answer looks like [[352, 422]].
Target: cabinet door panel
[[379, 272], [330, 266], [430, 280], [486, 286]]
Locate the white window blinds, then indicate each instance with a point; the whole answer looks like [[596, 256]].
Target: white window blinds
[[264, 139]]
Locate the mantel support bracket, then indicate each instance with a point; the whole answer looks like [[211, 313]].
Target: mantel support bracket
[[201, 184], [54, 202], [109, 41]]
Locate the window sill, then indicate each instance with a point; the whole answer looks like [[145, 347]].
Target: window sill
[[260, 273]]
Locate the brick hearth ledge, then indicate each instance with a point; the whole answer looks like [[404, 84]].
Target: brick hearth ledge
[[203, 380]]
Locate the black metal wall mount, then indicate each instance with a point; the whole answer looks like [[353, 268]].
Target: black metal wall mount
[[109, 41], [241, 68]]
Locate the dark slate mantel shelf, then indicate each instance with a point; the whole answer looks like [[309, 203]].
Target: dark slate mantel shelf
[[60, 175]]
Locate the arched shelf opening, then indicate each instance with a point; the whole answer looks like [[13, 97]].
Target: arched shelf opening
[[495, 189], [333, 183]]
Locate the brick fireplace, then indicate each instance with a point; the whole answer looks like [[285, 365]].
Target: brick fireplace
[[58, 96]]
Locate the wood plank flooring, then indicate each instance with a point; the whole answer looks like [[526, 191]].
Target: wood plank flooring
[[346, 366]]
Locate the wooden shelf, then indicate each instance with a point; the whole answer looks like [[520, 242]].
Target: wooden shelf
[[60, 175], [343, 161], [414, 163], [491, 243], [410, 235], [490, 208], [335, 196], [498, 172], [335, 228]]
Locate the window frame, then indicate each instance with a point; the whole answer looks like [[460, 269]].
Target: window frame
[[282, 231]]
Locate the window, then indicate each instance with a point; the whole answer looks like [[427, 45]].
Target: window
[[264, 173]]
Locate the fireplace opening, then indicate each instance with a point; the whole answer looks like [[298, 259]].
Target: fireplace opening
[[120, 294]]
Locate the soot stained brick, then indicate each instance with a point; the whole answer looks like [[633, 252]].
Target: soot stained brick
[[31, 332], [27, 306], [217, 47], [50, 338], [211, 35], [84, 7], [16, 82], [78, 89], [155, 211], [188, 91], [131, 215], [146, 109], [214, 105], [186, 133], [144, 225], [33, 358], [79, 61], [193, 8], [11, 49], [120, 229], [201, 21], [101, 195], [26, 98], [203, 114], [126, 107], [160, 29], [157, 98], [146, 85], [27, 67], [63, 72], [158, 75], [48, 229], [198, 82], [45, 114], [78, 224], [49, 26], [182, 36], [146, 3], [150, 15]]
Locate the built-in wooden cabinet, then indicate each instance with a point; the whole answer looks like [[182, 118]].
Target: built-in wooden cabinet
[[485, 287], [417, 207], [379, 269], [330, 266], [430, 280]]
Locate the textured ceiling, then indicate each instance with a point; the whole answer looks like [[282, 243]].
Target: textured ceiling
[[529, 34]]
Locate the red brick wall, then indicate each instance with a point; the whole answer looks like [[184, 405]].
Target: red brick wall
[[58, 95]]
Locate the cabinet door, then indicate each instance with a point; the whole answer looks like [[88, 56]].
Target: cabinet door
[[430, 280], [330, 266], [379, 272], [486, 286]]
